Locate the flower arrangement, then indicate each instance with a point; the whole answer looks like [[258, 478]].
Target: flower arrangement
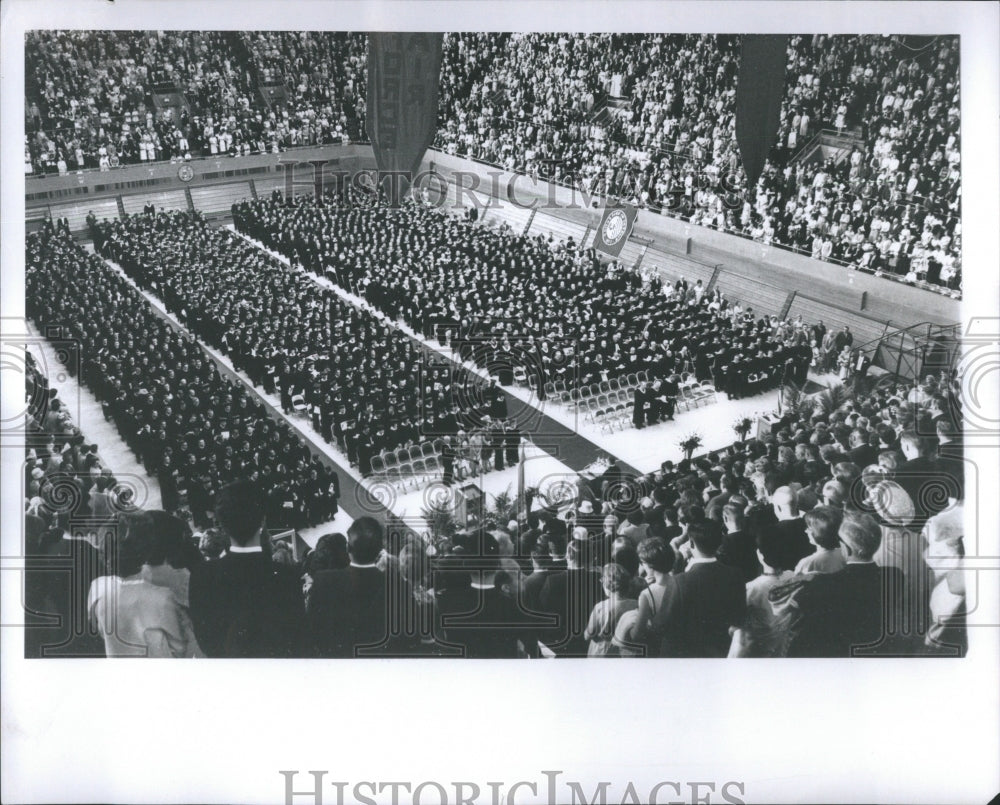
[[689, 444]]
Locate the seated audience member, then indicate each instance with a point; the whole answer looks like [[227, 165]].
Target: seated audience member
[[705, 600], [570, 595], [139, 611], [847, 613], [822, 528], [763, 633], [606, 614], [242, 604]]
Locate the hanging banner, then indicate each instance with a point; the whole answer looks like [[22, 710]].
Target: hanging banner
[[401, 114], [760, 89], [616, 225]]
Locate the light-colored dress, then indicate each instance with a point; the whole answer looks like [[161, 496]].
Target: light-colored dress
[[139, 619], [602, 624]]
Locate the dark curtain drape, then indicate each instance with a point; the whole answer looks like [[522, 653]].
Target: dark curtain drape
[[759, 92]]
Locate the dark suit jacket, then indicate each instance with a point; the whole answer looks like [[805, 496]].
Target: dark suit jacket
[[699, 608], [570, 595], [484, 623], [794, 538], [839, 612], [348, 610], [739, 550], [864, 455], [243, 605]]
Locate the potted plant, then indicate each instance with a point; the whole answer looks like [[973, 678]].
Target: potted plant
[[689, 444], [742, 427]]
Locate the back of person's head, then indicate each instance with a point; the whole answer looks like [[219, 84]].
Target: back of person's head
[[615, 578], [625, 554], [706, 537], [635, 517], [785, 499], [774, 550], [823, 523], [330, 553], [239, 510], [213, 543], [656, 554], [556, 543], [945, 430], [576, 553], [913, 442], [732, 515], [145, 542], [365, 540], [692, 515], [180, 550], [861, 533]]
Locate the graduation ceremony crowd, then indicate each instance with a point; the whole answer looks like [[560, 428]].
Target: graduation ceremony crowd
[[367, 386], [840, 533], [890, 205], [527, 102], [90, 104], [503, 300]]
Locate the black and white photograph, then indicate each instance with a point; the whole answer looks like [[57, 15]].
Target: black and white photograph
[[413, 358]]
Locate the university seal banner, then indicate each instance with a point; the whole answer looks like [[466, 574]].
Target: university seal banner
[[403, 75], [760, 88], [615, 227]]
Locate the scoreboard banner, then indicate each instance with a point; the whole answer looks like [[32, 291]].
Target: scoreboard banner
[[404, 70], [616, 225]]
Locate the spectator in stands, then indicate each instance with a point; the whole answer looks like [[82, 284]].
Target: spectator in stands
[[705, 601], [242, 604], [139, 611], [570, 595], [822, 528], [606, 614], [763, 632], [846, 613]]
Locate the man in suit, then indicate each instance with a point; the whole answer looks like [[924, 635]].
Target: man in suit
[[739, 547], [639, 402], [861, 452], [480, 616], [706, 599], [243, 605], [790, 526], [348, 606], [836, 614], [571, 595]]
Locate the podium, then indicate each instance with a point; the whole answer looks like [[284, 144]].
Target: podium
[[469, 509]]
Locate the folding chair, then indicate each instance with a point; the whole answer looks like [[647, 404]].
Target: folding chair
[[389, 460], [298, 403], [520, 376], [427, 450], [414, 453], [378, 472], [604, 386], [632, 380]]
